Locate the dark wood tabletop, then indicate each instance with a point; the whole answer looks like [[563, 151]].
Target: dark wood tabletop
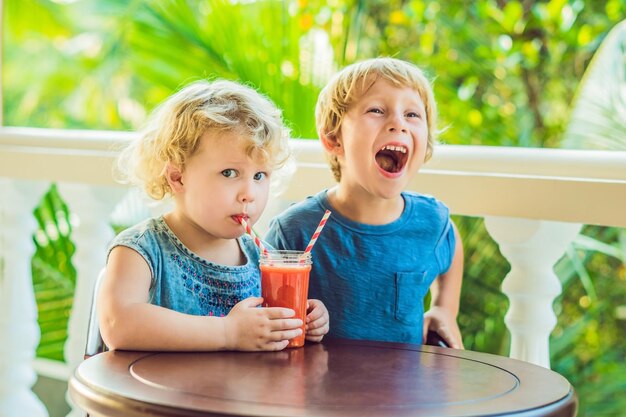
[[334, 378]]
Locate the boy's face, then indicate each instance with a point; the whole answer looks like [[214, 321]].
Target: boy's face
[[221, 182], [383, 138]]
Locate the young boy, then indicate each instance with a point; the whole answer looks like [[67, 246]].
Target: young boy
[[382, 248]]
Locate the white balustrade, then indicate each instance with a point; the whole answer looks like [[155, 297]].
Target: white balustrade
[[19, 332], [532, 247], [93, 206], [533, 200]]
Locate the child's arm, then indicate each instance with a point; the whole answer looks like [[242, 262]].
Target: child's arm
[[316, 321], [446, 294], [128, 321]]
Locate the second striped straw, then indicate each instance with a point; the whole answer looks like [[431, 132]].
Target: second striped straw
[[317, 232]]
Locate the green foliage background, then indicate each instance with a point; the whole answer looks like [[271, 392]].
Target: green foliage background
[[505, 73]]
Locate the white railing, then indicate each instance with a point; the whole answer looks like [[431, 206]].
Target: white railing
[[534, 202]]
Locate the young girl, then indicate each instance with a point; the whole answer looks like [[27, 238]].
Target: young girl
[[189, 280]]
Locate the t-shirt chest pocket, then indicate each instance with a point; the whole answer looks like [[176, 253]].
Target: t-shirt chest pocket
[[411, 288]]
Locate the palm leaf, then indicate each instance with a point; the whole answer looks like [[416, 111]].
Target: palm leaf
[[598, 120], [267, 44], [590, 244], [54, 276]]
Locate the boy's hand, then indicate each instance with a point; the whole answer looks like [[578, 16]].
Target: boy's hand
[[247, 327], [316, 321], [437, 319]]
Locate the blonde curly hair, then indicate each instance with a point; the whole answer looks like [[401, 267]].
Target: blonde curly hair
[[175, 127], [349, 85]]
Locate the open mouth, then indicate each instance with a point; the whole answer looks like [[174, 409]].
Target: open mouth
[[392, 158]]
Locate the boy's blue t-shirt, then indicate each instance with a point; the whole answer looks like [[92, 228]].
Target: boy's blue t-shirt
[[183, 281], [372, 278]]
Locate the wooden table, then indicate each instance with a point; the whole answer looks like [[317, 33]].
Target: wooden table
[[336, 378]]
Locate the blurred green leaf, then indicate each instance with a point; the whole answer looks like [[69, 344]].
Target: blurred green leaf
[[598, 120]]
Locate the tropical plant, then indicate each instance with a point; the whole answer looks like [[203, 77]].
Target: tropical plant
[[483, 303], [281, 62], [587, 343], [598, 121], [54, 276]]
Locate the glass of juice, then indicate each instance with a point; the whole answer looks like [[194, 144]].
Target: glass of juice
[[285, 283]]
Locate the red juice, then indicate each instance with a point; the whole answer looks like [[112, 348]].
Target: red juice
[[286, 284]]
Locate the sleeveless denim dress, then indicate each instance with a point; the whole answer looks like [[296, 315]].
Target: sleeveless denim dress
[[184, 282]]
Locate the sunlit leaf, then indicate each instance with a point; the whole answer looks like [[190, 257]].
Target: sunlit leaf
[[598, 120]]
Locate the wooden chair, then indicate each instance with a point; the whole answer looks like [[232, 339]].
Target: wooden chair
[[94, 344], [433, 339]]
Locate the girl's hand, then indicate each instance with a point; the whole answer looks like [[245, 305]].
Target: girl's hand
[[249, 328], [316, 321], [438, 320]]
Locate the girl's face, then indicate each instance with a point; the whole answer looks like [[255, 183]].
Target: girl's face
[[219, 183], [383, 139]]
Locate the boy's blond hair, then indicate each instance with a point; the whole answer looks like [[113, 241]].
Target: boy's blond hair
[[352, 82], [174, 130]]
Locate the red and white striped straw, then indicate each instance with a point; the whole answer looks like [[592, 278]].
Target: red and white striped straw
[[253, 235], [317, 232]]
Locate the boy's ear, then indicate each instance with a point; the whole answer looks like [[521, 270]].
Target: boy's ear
[[174, 177], [331, 143]]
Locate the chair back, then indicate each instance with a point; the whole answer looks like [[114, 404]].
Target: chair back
[[94, 343], [433, 339]]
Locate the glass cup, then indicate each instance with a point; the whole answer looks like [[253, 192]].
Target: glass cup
[[285, 283]]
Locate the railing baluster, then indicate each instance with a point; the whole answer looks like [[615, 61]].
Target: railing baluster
[[93, 206], [532, 247], [19, 332]]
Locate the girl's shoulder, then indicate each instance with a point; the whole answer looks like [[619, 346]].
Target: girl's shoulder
[[141, 230], [145, 237]]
